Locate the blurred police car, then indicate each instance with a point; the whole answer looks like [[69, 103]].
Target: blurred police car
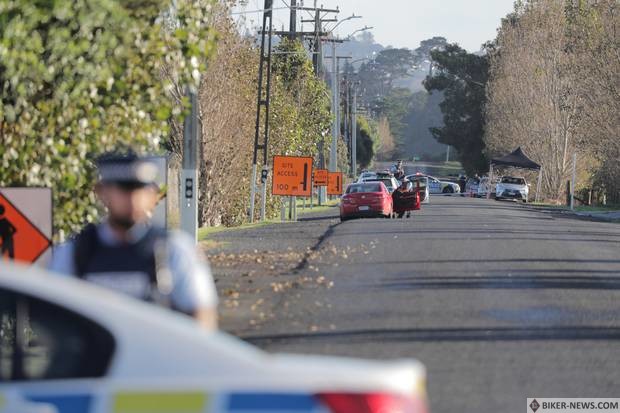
[[438, 187], [71, 347]]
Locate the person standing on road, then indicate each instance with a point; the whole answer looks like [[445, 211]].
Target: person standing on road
[[398, 197], [125, 252], [399, 171]]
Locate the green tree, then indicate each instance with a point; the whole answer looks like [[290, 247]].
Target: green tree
[[79, 77], [462, 77], [366, 140], [395, 106]]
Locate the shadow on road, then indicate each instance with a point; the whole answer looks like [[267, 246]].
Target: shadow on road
[[508, 282], [447, 334]]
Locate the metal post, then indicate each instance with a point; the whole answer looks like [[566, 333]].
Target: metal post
[[354, 135], [574, 180], [345, 116], [333, 155], [262, 106], [189, 174], [448, 154], [318, 60], [263, 207], [537, 199], [490, 181]]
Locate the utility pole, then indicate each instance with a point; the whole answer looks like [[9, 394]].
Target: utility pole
[[262, 109], [316, 38], [189, 174], [333, 154], [347, 113], [354, 134], [293, 21]]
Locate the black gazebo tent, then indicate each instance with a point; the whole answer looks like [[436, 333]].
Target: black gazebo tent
[[516, 159]]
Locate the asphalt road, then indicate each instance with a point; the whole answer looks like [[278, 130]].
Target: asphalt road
[[500, 302]]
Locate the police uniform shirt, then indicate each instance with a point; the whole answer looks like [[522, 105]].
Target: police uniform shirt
[[191, 279]]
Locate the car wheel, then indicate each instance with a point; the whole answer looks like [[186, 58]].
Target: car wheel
[[448, 190], [497, 198], [343, 219]]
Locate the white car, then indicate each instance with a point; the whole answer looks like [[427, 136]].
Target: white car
[[366, 175], [485, 186], [389, 181], [435, 186], [70, 347], [510, 187]]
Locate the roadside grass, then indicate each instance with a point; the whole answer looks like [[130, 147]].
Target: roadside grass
[[315, 208], [205, 232], [579, 208]]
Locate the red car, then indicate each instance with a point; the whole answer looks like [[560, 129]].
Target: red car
[[366, 199]]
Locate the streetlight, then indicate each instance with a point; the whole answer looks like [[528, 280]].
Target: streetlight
[[363, 29], [333, 156], [351, 17]]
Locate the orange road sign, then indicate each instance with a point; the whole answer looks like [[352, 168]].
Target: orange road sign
[[321, 177], [20, 239], [292, 176], [335, 184]]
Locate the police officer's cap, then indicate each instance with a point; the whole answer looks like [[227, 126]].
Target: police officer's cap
[[126, 169]]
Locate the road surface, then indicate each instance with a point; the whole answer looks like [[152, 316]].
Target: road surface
[[499, 301]]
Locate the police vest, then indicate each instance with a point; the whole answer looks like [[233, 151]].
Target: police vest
[[128, 268]]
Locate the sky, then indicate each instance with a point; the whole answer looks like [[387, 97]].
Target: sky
[[404, 23]]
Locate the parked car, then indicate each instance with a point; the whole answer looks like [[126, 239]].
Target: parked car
[[384, 174], [471, 186], [367, 199], [389, 181], [510, 187], [484, 186], [366, 175], [68, 346], [435, 186]]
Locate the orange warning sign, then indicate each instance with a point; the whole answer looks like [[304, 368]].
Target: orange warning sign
[[292, 176], [321, 177], [335, 184], [20, 239]]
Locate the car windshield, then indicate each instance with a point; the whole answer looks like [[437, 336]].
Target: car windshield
[[513, 181], [388, 182], [366, 187]]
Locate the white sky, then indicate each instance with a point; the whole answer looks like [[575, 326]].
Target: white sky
[[404, 23]]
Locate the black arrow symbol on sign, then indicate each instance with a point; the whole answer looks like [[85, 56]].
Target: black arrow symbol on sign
[[305, 181]]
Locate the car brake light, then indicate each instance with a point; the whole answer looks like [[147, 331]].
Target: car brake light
[[371, 403]]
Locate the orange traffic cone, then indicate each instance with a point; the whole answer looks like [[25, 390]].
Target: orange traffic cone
[[417, 204]]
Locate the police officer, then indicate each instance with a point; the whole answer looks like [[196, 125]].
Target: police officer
[[126, 253]]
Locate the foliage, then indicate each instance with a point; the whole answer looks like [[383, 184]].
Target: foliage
[[299, 120], [395, 106], [462, 78], [81, 77], [385, 145], [366, 138], [554, 90]]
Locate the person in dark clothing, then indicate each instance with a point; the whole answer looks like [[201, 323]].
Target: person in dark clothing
[[6, 235], [127, 253], [399, 194], [462, 182]]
